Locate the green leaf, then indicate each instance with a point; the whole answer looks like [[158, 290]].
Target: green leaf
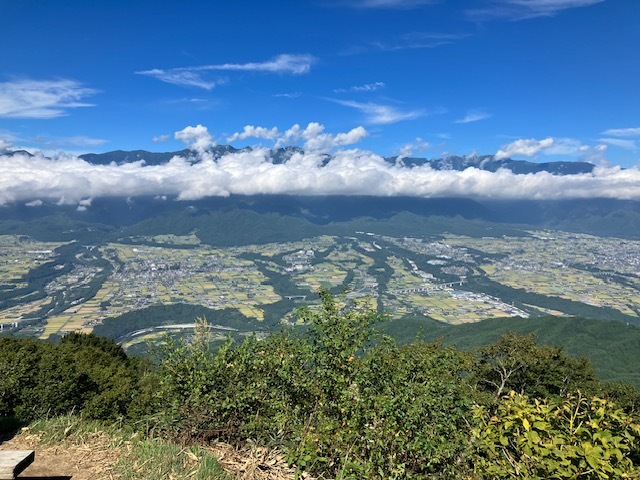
[[538, 425], [533, 436]]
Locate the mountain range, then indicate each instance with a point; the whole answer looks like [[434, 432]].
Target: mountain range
[[280, 155]]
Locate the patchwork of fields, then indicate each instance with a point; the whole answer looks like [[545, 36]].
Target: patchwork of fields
[[452, 279]]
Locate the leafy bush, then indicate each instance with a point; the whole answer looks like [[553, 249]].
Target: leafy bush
[[251, 390], [576, 437], [624, 395], [403, 416], [339, 405], [516, 363], [84, 374]]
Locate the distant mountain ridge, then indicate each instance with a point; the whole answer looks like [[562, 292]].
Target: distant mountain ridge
[[482, 162], [492, 164], [149, 158]]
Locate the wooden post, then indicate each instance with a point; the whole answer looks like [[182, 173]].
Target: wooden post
[[13, 462]]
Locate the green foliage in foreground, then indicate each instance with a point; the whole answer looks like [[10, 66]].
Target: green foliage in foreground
[[575, 437], [345, 407], [83, 374], [339, 407], [342, 403]]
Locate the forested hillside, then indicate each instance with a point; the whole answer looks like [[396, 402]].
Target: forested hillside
[[611, 346]]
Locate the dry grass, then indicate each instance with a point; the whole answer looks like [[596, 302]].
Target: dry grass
[[95, 457], [253, 462], [71, 447]]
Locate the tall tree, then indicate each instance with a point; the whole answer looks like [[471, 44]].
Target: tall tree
[[516, 362]]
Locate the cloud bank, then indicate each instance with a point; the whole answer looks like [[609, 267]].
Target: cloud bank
[[67, 179]]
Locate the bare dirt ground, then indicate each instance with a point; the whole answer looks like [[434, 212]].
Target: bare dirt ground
[[96, 457], [91, 460]]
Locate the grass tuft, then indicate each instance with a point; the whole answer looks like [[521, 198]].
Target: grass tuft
[[119, 451], [155, 458]]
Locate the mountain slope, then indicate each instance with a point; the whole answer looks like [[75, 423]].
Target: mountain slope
[[280, 155]]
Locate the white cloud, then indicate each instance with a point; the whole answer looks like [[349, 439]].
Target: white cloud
[[178, 76], [67, 179], [161, 138], [250, 131], [620, 142], [414, 41], [34, 203], [474, 116], [82, 141], [369, 87], [525, 9], [285, 63], [565, 146], [326, 142], [409, 149], [41, 98], [316, 141], [391, 4], [197, 138], [595, 155], [73, 141], [8, 139], [84, 204], [623, 132], [293, 134], [312, 138], [549, 146], [378, 114], [524, 147], [192, 76], [288, 95]]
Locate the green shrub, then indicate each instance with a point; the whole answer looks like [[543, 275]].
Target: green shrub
[[575, 437], [624, 395], [404, 416], [516, 363], [83, 374], [339, 406], [256, 389]]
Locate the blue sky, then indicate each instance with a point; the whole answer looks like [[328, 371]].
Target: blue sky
[[540, 80], [463, 76]]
